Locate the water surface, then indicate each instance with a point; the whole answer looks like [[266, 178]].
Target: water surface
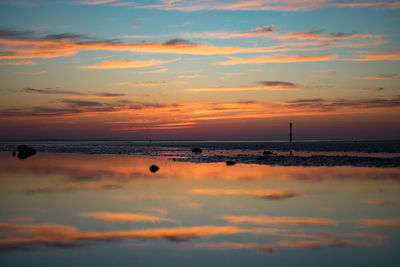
[[80, 209]]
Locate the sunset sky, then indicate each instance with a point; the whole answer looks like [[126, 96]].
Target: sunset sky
[[207, 69]]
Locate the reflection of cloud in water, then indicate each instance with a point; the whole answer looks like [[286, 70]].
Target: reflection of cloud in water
[[265, 194], [387, 223], [327, 240], [260, 248], [25, 235], [279, 220], [330, 240], [382, 202]]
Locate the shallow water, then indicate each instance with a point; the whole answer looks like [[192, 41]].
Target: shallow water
[[81, 209]]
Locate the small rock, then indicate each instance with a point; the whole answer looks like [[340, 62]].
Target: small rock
[[230, 163], [267, 153], [25, 152], [154, 168], [197, 150]]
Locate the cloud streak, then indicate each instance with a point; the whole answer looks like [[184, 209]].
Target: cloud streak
[[154, 71], [125, 217], [18, 63], [282, 58], [128, 64], [97, 2], [50, 91], [24, 45], [386, 223], [393, 55], [382, 77], [326, 240], [265, 194], [252, 5], [382, 202], [329, 240], [23, 235], [259, 248], [259, 31], [265, 220], [261, 86], [148, 84]]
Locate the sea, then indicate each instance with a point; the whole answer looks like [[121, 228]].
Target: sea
[[225, 203]]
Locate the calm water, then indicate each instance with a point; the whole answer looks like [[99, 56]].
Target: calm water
[[103, 210]]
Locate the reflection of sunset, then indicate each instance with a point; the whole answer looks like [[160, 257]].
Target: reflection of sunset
[[199, 133], [205, 207]]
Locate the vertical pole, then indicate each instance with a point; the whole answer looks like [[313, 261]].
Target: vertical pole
[[290, 139]]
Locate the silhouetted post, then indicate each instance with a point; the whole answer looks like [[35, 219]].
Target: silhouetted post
[[290, 140]]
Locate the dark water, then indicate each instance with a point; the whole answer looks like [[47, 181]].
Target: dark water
[[60, 209]]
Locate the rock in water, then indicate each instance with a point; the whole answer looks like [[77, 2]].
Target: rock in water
[[267, 153], [197, 150], [230, 163], [154, 168], [25, 152]]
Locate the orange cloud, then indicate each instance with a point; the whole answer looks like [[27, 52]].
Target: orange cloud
[[386, 56], [49, 48], [125, 217], [387, 223], [282, 58], [148, 84], [18, 63], [24, 234], [97, 2], [189, 76], [135, 116], [19, 45], [266, 194], [128, 64], [280, 220], [262, 86], [154, 71]]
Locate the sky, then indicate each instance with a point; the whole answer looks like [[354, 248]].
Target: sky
[[204, 70]]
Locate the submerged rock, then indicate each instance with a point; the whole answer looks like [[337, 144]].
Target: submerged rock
[[154, 168], [197, 150], [230, 163], [25, 152]]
